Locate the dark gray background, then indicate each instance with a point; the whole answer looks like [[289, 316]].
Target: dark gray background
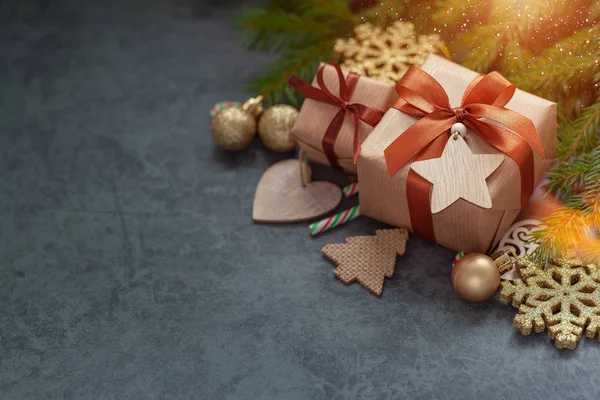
[[130, 264]]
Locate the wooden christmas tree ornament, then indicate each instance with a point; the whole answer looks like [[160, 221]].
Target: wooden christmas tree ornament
[[368, 259]]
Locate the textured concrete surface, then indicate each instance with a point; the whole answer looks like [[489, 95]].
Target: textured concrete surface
[[130, 266]]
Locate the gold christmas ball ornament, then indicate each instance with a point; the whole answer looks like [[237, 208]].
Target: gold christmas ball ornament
[[234, 128], [275, 128], [476, 277]]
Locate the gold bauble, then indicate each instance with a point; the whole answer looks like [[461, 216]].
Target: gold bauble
[[475, 277], [275, 128], [233, 128]]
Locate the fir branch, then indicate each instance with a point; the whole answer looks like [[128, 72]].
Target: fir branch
[[516, 59], [303, 63], [484, 45], [581, 135], [571, 178], [452, 11], [577, 184], [580, 42], [535, 21], [568, 230], [300, 32], [274, 30], [590, 252], [573, 227], [588, 202], [565, 71], [453, 15], [560, 75], [339, 8], [384, 12]]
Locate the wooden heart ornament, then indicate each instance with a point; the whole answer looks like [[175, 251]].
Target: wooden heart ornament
[[280, 196]]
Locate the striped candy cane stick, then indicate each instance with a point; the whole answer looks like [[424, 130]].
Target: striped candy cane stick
[[350, 190], [457, 258], [335, 220], [221, 105]]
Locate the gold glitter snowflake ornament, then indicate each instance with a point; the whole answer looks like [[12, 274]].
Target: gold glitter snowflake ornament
[[385, 53], [564, 298]]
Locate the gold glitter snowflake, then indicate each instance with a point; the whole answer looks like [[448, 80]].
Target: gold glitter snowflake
[[385, 53], [564, 298]]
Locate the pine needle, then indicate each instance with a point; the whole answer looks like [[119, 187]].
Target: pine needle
[[334, 7], [300, 32], [384, 12], [515, 60], [566, 72], [573, 177], [581, 135], [568, 230], [302, 63], [485, 46]]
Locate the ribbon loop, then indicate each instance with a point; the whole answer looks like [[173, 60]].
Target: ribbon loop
[[420, 83], [344, 96], [357, 112], [482, 110], [492, 89]]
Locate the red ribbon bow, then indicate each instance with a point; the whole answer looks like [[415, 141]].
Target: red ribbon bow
[[358, 112], [484, 99]]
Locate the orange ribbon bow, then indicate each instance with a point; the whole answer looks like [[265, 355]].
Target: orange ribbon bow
[[420, 95], [358, 112]]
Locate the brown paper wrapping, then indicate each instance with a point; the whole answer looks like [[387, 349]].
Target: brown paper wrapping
[[462, 226], [315, 117]]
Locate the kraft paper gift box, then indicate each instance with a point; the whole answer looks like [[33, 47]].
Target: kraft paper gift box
[[462, 226], [316, 116]]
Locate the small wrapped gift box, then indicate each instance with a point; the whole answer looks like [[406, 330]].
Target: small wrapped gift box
[[501, 121], [339, 112]]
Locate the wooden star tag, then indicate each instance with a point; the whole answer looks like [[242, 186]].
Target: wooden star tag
[[458, 174]]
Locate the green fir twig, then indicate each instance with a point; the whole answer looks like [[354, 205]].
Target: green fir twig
[[570, 178], [581, 135]]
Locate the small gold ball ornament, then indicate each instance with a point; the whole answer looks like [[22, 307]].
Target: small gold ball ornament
[[275, 128], [476, 277], [234, 128]]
